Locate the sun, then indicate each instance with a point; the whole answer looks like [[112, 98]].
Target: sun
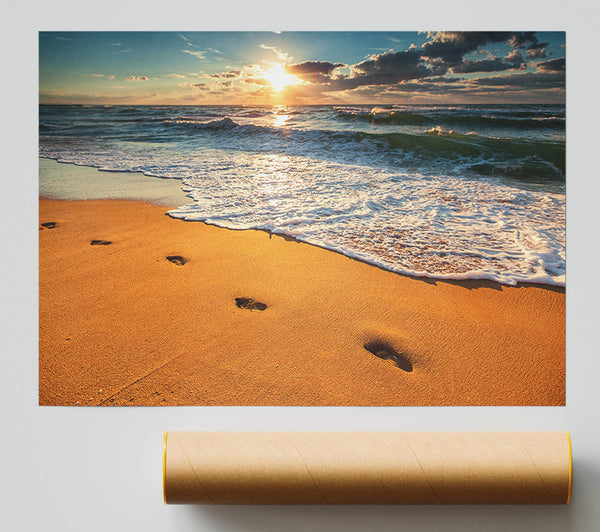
[[279, 78]]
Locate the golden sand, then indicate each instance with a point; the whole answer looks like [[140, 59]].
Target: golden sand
[[122, 325]]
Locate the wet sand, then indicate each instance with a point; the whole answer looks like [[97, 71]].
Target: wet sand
[[249, 318]]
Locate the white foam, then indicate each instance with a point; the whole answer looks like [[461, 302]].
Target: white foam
[[435, 226]]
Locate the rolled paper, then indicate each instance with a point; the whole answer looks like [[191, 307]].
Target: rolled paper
[[367, 467]]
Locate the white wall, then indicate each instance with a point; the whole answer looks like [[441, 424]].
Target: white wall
[[99, 469]]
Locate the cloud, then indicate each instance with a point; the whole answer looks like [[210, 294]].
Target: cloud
[[115, 44], [283, 56], [60, 38], [188, 41], [313, 67], [196, 53], [101, 98], [257, 81], [384, 69], [228, 74], [111, 76], [529, 80], [176, 76], [391, 67], [47, 94], [219, 90], [225, 83], [483, 65], [451, 46], [553, 65], [138, 78], [536, 53], [514, 57], [443, 79], [97, 75], [526, 39]]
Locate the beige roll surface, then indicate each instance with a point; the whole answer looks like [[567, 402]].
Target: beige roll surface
[[367, 468]]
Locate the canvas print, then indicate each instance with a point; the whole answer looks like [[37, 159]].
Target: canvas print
[[302, 218]]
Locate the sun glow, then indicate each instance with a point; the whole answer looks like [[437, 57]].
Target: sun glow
[[279, 78]]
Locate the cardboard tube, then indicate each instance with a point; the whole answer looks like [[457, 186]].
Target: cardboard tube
[[367, 468]]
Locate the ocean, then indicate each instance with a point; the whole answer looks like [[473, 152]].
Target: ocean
[[445, 192]]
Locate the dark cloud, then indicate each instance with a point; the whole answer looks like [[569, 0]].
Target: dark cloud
[[138, 78], [200, 86], [536, 53], [529, 80], [523, 39], [451, 46], [391, 67], [443, 79], [483, 65], [225, 83], [514, 57], [526, 39], [229, 74], [313, 67], [443, 53], [553, 65], [383, 69]]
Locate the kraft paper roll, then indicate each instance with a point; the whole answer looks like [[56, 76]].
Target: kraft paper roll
[[367, 468]]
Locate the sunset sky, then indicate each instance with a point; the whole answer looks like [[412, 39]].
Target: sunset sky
[[301, 67]]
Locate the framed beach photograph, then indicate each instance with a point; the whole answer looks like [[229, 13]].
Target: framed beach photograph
[[302, 218]]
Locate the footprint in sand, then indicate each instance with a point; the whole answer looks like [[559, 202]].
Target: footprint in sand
[[48, 225], [250, 304], [100, 242], [386, 352], [176, 259]]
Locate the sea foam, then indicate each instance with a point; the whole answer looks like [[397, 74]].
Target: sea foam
[[435, 226]]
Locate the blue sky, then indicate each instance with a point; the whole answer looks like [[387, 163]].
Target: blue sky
[[301, 67]]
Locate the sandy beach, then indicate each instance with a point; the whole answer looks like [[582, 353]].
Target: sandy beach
[[120, 324]]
